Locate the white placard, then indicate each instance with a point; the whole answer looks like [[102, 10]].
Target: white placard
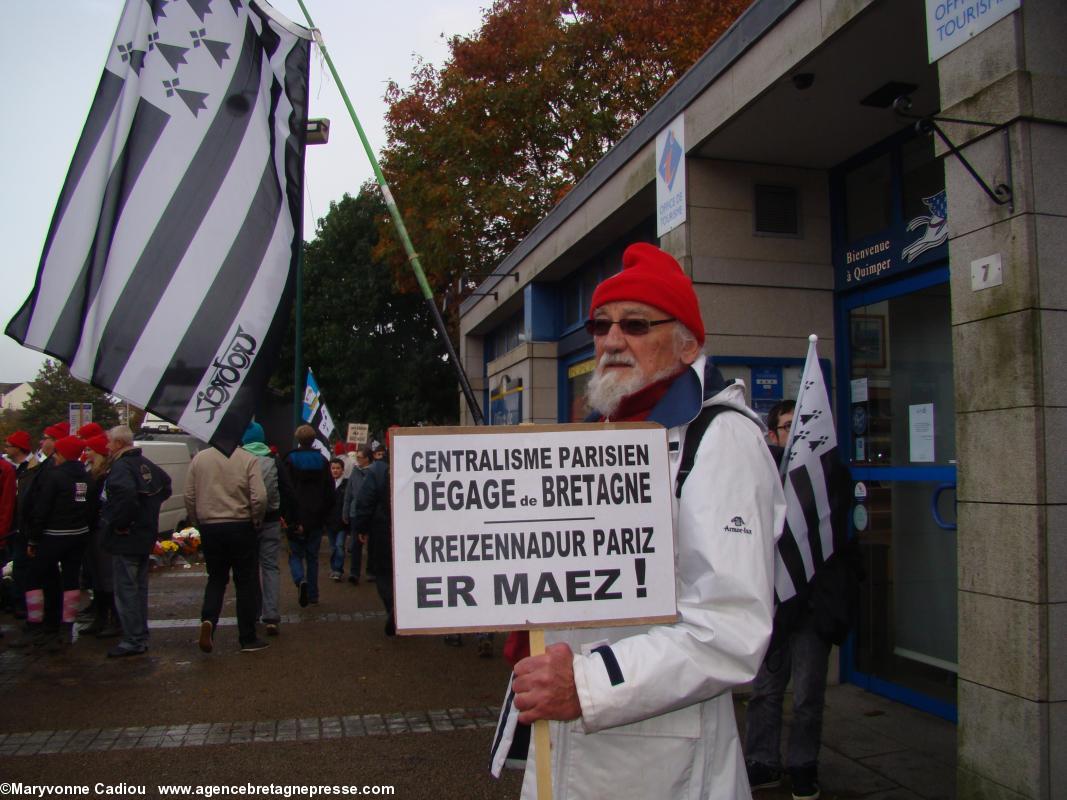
[[515, 527], [358, 433], [670, 176], [921, 432], [950, 23], [859, 390]]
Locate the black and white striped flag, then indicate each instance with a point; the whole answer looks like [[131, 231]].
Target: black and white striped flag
[[807, 466], [166, 274]]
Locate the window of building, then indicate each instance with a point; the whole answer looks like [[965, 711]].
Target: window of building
[[507, 336], [922, 176], [869, 198]]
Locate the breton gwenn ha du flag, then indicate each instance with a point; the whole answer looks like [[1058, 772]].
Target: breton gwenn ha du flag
[[165, 276], [807, 464], [316, 415]]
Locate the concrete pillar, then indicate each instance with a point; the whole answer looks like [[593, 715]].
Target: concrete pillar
[[1010, 345]]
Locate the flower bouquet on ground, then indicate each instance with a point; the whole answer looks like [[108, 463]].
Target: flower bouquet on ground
[[188, 541], [163, 553]]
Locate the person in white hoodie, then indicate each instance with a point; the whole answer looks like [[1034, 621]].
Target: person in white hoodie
[[646, 711]]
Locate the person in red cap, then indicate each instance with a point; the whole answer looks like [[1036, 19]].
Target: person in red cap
[[89, 430], [665, 687], [48, 439], [104, 621], [59, 530], [8, 495], [20, 453]]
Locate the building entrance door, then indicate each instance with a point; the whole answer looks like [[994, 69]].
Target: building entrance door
[[898, 418]]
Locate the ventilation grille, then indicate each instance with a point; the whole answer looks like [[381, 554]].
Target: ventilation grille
[[777, 210]]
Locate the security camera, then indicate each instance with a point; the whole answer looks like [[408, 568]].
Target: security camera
[[803, 80]]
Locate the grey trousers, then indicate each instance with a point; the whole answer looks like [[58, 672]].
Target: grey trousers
[[131, 600], [270, 542]]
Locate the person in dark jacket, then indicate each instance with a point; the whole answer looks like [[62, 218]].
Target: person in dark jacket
[[20, 452], [135, 490], [374, 526], [313, 490], [364, 456], [336, 530], [799, 652], [58, 533], [279, 500]]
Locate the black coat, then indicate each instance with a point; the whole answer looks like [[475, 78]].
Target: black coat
[[312, 488], [63, 500], [375, 519], [135, 488]]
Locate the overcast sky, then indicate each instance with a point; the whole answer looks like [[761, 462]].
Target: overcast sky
[[53, 58]]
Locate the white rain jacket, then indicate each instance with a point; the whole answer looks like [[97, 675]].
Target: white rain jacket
[[657, 714]]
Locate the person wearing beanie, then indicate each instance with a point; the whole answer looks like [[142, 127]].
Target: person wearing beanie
[[89, 430], [59, 530], [668, 686], [270, 532], [101, 615], [19, 450]]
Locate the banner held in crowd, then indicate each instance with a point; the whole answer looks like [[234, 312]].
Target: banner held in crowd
[[520, 527], [165, 276], [317, 415], [807, 464]]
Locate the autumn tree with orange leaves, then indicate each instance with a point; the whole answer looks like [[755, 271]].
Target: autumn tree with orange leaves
[[481, 149]]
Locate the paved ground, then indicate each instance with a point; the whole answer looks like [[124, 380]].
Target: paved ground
[[334, 702]]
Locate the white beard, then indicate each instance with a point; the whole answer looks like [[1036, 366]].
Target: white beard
[[607, 389]]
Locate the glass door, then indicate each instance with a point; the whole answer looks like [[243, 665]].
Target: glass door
[[900, 435]]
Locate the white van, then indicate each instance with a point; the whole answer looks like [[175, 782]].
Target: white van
[[173, 458]]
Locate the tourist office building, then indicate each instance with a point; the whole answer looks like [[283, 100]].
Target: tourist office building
[[891, 176]]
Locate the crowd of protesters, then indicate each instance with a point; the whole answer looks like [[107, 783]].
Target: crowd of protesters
[[79, 518]]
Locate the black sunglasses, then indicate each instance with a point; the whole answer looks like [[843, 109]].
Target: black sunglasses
[[631, 326]]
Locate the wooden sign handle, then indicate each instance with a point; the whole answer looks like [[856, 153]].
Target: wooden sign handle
[[542, 743]]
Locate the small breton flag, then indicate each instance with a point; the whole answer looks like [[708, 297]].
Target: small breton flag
[[317, 415], [807, 464], [166, 275]]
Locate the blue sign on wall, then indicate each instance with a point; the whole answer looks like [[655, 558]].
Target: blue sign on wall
[[766, 383]]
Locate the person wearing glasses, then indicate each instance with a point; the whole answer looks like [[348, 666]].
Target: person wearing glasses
[[802, 652], [646, 711], [779, 423]]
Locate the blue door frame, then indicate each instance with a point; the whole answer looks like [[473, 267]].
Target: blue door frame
[[945, 475]]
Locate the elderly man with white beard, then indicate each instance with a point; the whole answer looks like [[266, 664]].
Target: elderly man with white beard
[[646, 711]]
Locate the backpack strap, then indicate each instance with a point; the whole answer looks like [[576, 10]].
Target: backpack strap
[[693, 434]]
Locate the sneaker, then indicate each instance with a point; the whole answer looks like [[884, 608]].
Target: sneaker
[[272, 629], [124, 652], [805, 782], [335, 576], [485, 648], [354, 580], [254, 645], [207, 636], [761, 776], [303, 594]]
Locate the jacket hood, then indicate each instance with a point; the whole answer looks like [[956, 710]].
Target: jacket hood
[[699, 386], [257, 448]]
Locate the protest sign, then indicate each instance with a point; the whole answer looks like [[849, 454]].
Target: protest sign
[[358, 433], [522, 527]]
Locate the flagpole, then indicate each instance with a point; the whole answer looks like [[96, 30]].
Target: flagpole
[[398, 222]]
